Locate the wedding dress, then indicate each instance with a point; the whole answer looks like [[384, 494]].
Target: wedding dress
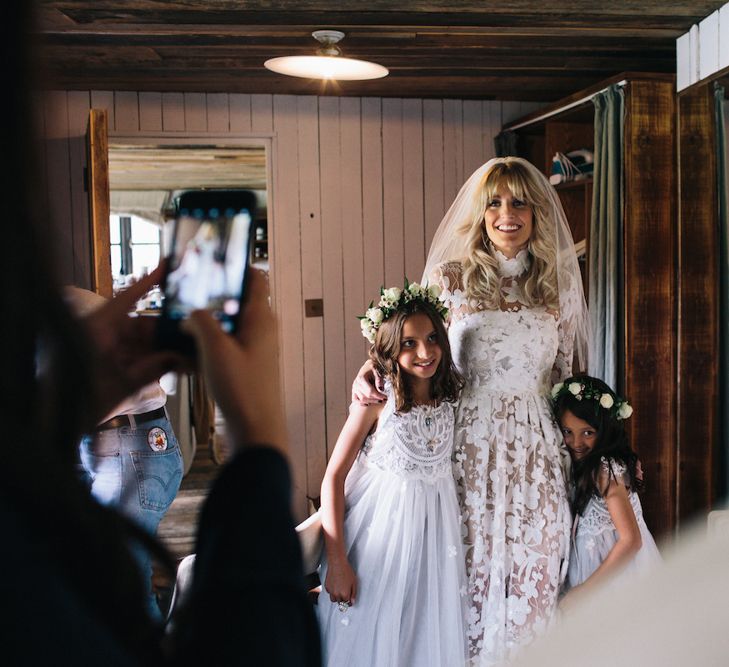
[[510, 465]]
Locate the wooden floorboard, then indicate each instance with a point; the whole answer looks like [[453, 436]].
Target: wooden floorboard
[[178, 529]]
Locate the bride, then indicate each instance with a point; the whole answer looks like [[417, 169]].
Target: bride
[[504, 258]]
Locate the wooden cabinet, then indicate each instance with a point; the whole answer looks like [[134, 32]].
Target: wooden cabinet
[[649, 263], [539, 141]]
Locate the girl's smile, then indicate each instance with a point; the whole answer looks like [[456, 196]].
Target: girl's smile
[[579, 436], [420, 352]]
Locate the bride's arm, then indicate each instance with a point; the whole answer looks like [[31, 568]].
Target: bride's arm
[[562, 367]]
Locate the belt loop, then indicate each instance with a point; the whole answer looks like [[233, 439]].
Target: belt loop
[[132, 421]]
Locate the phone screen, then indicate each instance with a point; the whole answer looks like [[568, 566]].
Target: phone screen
[[209, 256]]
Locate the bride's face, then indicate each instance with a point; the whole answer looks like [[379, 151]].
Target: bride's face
[[509, 222]]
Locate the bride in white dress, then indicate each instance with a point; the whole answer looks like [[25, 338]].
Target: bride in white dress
[[505, 259], [513, 287]]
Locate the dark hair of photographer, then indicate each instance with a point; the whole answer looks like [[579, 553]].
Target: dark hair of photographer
[[47, 404]]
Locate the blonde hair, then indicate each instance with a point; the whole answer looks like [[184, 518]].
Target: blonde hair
[[480, 266]]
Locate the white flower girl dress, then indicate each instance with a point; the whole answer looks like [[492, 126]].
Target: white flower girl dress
[[403, 540]]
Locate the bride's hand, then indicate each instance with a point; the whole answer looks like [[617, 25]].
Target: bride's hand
[[368, 387]]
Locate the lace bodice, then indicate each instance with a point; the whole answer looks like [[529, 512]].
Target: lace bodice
[[415, 444], [596, 519], [513, 349]]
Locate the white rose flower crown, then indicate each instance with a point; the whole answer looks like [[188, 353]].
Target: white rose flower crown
[[582, 389], [393, 299]]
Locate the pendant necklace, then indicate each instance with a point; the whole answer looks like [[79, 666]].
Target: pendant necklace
[[429, 422]]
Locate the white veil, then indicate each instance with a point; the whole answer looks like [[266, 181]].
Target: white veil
[[450, 245]]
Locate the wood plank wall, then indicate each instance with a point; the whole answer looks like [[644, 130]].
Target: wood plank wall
[[650, 295], [699, 301], [359, 186]]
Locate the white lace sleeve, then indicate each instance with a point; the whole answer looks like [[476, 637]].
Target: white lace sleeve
[[562, 368], [449, 277]]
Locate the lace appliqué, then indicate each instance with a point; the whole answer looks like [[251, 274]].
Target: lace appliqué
[[416, 444], [509, 463], [513, 267]]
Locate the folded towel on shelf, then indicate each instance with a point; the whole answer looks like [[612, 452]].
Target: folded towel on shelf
[[573, 166]]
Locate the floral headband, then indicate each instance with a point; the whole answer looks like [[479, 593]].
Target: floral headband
[[619, 408], [393, 299]]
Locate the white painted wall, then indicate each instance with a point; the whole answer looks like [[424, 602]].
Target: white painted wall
[[359, 186]]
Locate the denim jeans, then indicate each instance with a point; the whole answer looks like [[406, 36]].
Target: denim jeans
[[125, 471]]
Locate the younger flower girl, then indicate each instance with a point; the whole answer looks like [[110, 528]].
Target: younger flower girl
[[394, 569], [610, 536]]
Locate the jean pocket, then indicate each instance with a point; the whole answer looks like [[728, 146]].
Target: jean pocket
[[158, 477]]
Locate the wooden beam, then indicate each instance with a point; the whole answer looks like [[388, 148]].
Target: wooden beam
[[650, 291], [698, 315]]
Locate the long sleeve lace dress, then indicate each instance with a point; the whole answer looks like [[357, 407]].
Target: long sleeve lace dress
[[510, 464]]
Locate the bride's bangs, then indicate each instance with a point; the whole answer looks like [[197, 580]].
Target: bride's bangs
[[511, 176]]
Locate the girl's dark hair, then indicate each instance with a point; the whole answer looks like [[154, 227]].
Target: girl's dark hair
[[611, 443], [446, 383]]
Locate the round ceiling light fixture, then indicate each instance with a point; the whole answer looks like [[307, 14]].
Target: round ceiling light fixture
[[328, 64]]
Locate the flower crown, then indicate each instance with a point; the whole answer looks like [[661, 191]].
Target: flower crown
[[393, 299], [580, 389]]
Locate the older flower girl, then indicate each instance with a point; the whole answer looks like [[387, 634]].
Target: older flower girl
[[394, 569]]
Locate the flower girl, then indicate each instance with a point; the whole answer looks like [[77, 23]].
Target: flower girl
[[610, 536], [394, 570]]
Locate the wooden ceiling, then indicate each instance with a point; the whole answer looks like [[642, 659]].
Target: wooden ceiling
[[511, 49], [154, 167]]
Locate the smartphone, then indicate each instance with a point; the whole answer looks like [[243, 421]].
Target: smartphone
[[207, 262]]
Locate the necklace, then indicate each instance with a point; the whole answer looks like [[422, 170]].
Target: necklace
[[429, 421]]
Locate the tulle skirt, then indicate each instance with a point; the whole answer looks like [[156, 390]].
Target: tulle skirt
[[404, 544], [590, 550]]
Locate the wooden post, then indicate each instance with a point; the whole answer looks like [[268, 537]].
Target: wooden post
[[698, 314], [650, 291], [99, 202]]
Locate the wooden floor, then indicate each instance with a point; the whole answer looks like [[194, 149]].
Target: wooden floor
[[178, 529], [179, 526]]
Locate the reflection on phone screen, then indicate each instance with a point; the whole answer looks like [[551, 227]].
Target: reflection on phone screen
[[208, 264]]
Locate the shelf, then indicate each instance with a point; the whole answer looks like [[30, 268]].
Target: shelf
[[569, 185]]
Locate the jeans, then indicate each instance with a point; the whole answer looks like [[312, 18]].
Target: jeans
[[128, 472]]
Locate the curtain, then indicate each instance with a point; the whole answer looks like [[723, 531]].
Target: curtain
[[722, 155], [605, 241]]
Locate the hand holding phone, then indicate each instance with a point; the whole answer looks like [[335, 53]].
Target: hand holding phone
[[207, 263]]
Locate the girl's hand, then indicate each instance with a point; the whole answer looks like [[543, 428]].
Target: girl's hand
[[341, 582], [368, 387]]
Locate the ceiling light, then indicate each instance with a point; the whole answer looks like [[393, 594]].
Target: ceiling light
[[329, 64]]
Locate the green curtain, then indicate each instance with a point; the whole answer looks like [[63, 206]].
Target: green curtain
[[722, 113], [605, 241]]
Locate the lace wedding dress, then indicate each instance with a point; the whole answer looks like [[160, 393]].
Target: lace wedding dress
[[403, 535], [509, 461], [595, 534]]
